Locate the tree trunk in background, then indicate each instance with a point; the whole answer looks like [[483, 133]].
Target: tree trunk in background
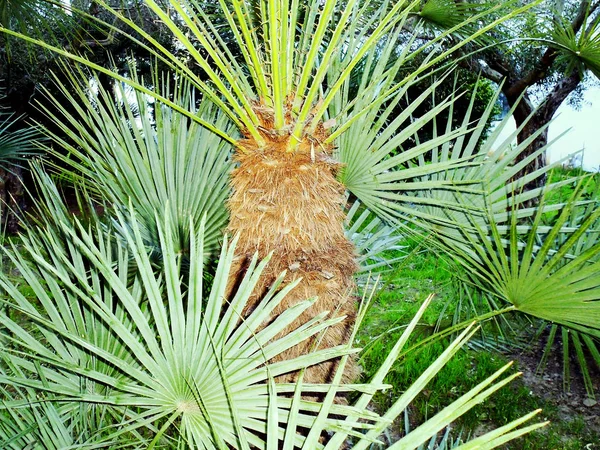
[[290, 203], [499, 67], [540, 118], [522, 113]]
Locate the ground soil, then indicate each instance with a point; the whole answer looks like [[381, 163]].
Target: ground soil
[[548, 385]]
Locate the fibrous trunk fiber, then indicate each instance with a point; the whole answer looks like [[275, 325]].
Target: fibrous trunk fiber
[[291, 204]]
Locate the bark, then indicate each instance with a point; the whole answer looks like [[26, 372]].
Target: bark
[[290, 203]]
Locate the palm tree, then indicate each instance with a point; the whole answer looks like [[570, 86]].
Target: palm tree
[[308, 96], [297, 126], [286, 97], [295, 95]]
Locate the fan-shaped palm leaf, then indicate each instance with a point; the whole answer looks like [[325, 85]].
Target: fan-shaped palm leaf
[[546, 279], [447, 14], [15, 143], [144, 358], [494, 166], [500, 198], [578, 52], [552, 273], [151, 159]]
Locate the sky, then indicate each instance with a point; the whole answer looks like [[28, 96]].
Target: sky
[[582, 127], [584, 130]]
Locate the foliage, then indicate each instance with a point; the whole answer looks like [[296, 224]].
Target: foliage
[[539, 57], [16, 144], [452, 381], [377, 244], [590, 189], [150, 360], [553, 275], [513, 400], [579, 51], [565, 26], [549, 272], [295, 85], [391, 171], [147, 158], [42, 18]]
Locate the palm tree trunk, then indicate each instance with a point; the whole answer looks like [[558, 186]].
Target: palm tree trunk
[[290, 203]]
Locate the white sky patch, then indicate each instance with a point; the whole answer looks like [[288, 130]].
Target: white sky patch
[[67, 8], [582, 131]]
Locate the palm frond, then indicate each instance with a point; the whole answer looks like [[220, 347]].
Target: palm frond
[[578, 52], [546, 272], [141, 356], [16, 144], [378, 245], [385, 165], [152, 158], [488, 184], [287, 52], [105, 359], [447, 14], [546, 269]]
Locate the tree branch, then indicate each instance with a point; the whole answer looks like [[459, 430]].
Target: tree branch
[[490, 65], [540, 70], [554, 99], [484, 69]]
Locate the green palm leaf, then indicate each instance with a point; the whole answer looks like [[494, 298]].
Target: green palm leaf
[[489, 184], [16, 143], [288, 61], [378, 245], [106, 360], [142, 356], [547, 272], [152, 158], [578, 52], [447, 14]]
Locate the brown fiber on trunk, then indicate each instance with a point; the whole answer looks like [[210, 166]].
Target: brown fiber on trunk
[[290, 203]]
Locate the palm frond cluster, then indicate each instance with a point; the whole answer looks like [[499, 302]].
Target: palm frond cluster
[[283, 128]]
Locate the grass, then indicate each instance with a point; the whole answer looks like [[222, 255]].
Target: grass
[[403, 289], [592, 189]]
